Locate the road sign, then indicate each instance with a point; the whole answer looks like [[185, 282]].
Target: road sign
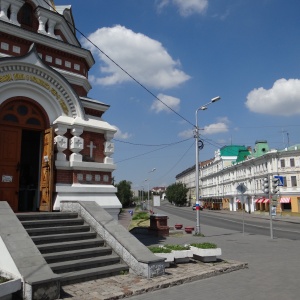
[[241, 188], [280, 178]]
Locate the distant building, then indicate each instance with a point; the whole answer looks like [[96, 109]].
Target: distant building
[[239, 165]]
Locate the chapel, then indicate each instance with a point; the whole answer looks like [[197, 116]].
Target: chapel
[[54, 143]]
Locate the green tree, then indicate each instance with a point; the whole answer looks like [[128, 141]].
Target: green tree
[[176, 193], [124, 192]]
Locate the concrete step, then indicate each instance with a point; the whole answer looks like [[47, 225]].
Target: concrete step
[[47, 239], [70, 245], [58, 230], [52, 223], [70, 248], [92, 274], [76, 254], [46, 215], [82, 264]]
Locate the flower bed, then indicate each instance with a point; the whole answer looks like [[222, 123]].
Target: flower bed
[[205, 252], [178, 226], [8, 286], [189, 229]]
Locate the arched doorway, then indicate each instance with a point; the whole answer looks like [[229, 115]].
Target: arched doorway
[[22, 126]]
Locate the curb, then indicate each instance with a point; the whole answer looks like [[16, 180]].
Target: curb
[[170, 280]]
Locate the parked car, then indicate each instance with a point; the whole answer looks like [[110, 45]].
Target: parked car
[[194, 207]]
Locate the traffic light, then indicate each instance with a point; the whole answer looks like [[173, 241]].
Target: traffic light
[[275, 183], [266, 185]]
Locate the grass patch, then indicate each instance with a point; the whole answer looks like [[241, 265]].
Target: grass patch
[[140, 219], [124, 272], [198, 234], [156, 249], [141, 216], [177, 247], [204, 245], [2, 279]]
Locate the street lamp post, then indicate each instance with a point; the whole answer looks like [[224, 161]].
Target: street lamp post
[[148, 204], [203, 107]]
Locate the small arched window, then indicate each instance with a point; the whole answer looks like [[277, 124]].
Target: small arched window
[[27, 18], [22, 113]]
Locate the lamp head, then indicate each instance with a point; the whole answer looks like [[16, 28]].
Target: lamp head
[[215, 99], [203, 108]]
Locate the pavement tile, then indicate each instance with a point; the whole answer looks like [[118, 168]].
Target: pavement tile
[[121, 286]]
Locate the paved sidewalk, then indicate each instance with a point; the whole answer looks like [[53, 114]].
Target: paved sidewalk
[[128, 285]]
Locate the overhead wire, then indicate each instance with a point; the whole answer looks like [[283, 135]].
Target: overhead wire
[[122, 69], [149, 145], [215, 144], [142, 154]]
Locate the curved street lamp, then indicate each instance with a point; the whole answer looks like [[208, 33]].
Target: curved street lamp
[[196, 135]]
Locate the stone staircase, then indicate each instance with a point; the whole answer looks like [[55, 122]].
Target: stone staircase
[[70, 247]]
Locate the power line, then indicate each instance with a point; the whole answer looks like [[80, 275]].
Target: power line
[[121, 68], [148, 145], [139, 155], [162, 177]]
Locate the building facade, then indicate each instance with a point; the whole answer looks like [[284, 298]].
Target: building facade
[[54, 143], [234, 167]]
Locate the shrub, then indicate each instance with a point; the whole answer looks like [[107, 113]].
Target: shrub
[[178, 247], [204, 245], [154, 249]]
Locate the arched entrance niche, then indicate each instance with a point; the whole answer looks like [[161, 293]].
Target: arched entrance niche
[[22, 125]]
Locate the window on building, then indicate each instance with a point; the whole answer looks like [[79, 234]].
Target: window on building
[[282, 163], [292, 162], [294, 180]]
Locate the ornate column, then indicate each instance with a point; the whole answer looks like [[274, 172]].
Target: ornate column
[[76, 144], [14, 9], [109, 148], [4, 8], [51, 25], [61, 142]]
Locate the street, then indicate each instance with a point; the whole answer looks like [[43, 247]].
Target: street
[[253, 224], [274, 265]]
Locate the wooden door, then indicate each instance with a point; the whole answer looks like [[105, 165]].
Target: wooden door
[[10, 149], [46, 182]]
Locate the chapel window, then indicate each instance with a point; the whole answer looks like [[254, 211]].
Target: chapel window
[[27, 18], [23, 113]]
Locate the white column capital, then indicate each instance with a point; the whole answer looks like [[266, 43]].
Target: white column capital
[[77, 131]]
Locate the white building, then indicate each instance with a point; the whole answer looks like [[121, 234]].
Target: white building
[[235, 166]]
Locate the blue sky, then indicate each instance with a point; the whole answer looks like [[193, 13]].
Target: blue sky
[[186, 52]]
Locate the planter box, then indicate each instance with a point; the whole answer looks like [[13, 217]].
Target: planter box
[[178, 226], [169, 258], [9, 287], [189, 229], [182, 256], [206, 255]]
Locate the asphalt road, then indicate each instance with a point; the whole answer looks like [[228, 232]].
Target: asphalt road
[[252, 224], [274, 264]]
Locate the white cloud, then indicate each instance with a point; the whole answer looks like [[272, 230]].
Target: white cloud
[[186, 7], [283, 99], [170, 101], [211, 129], [121, 135], [189, 7], [186, 133], [143, 58], [215, 128]]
